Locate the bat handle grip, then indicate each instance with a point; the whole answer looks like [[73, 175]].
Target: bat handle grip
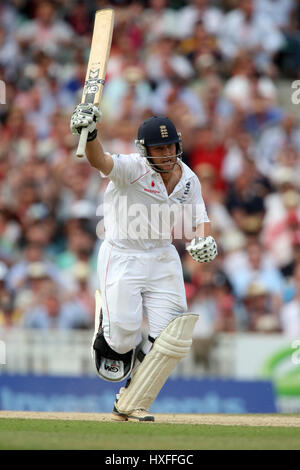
[[80, 152]]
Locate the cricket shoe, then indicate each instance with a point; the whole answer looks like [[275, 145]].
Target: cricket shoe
[[136, 415]]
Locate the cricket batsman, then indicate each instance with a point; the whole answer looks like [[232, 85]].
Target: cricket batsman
[[139, 269]]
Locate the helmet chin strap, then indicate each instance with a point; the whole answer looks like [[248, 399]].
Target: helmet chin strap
[[161, 170]]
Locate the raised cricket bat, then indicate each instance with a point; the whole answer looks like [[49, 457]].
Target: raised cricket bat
[[96, 69]]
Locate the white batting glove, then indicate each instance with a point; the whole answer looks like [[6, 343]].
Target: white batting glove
[[85, 115], [203, 249]]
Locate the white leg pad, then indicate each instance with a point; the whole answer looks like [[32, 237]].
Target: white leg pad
[[170, 346]]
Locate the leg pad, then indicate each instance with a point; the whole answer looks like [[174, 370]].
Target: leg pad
[[170, 346]]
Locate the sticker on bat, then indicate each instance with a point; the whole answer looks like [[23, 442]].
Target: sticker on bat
[[91, 84], [90, 89]]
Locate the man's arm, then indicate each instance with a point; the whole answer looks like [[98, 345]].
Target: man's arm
[[203, 230], [202, 246], [98, 158]]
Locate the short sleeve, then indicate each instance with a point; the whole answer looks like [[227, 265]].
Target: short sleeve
[[199, 213], [125, 170]]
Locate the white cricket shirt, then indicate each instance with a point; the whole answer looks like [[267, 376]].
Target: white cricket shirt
[[138, 212]]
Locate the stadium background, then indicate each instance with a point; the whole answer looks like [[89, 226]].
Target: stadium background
[[224, 72]]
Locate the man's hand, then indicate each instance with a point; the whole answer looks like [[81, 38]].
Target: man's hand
[[203, 250], [85, 115]]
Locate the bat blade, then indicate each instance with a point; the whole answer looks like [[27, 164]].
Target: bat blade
[[97, 65]]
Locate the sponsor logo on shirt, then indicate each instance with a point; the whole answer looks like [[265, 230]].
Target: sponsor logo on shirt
[[185, 193]]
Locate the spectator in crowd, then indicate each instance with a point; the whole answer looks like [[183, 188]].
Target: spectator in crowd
[[158, 20], [289, 269], [212, 299], [33, 253], [258, 268], [9, 53], [127, 96], [279, 11], [274, 140], [174, 93], [196, 10], [36, 279], [219, 111], [45, 32], [79, 19], [242, 29], [246, 196], [10, 232], [233, 250], [163, 61], [85, 287], [246, 85], [209, 149], [53, 312], [77, 190], [282, 211], [239, 152], [221, 220], [79, 249], [259, 310], [281, 235], [3, 274], [10, 316], [205, 304], [285, 15]]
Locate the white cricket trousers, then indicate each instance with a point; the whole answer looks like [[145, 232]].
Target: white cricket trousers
[[134, 283]]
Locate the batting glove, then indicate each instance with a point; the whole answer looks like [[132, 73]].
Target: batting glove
[[202, 249], [85, 115]]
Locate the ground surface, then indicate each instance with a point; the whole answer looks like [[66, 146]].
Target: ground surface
[[218, 419], [26, 430]]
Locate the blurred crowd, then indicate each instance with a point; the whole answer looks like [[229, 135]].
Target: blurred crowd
[[213, 67]]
